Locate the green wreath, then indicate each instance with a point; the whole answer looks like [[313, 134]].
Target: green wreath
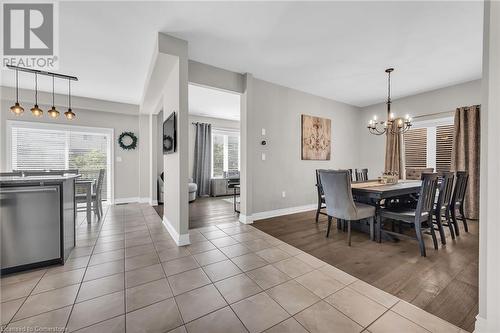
[[130, 146]]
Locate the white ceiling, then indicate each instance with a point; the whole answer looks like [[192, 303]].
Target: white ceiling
[[213, 103], [337, 50]]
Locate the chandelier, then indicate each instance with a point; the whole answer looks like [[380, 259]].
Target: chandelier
[[391, 125]]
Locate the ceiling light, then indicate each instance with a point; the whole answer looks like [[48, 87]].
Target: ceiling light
[[53, 112], [35, 110], [69, 114], [16, 108]]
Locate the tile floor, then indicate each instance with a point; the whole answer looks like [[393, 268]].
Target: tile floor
[[127, 274]]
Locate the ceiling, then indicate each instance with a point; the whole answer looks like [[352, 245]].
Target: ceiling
[[213, 103], [337, 50]]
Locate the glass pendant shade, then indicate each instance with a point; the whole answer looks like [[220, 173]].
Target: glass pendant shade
[[70, 114], [17, 109], [53, 113], [36, 111]]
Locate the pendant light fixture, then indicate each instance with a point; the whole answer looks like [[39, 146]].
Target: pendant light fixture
[[70, 115], [16, 108], [35, 110], [53, 112]]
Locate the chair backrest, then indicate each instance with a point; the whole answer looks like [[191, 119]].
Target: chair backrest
[[351, 174], [460, 187], [11, 174], [338, 194], [361, 175], [427, 194], [445, 189], [319, 187], [100, 181], [416, 173]]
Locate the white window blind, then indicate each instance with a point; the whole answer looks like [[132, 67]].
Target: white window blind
[[444, 146], [225, 152], [415, 141]]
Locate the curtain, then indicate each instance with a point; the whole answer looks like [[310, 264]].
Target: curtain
[[465, 154], [394, 151], [203, 158]]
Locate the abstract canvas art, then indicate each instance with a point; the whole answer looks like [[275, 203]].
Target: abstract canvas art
[[316, 138]]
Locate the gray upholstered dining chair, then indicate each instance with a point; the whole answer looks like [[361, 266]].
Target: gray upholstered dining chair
[[457, 201], [339, 201], [441, 209], [420, 218], [361, 175], [321, 196]]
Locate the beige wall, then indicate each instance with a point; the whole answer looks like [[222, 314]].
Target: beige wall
[[372, 147]]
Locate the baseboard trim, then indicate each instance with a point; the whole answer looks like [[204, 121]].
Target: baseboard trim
[[245, 219], [153, 202], [180, 240], [283, 211], [484, 326], [126, 200]]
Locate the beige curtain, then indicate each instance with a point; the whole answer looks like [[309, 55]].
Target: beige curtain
[[394, 152], [465, 154]]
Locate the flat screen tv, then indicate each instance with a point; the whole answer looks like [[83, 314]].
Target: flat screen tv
[[170, 134]]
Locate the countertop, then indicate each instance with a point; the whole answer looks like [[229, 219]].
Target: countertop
[[35, 179]]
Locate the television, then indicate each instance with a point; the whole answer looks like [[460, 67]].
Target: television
[[170, 134]]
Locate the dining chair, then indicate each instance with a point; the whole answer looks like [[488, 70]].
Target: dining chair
[[415, 217], [351, 174], [457, 201], [340, 204], [361, 175], [96, 195], [416, 173], [443, 203], [321, 196]]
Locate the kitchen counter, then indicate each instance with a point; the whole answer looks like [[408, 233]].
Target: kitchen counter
[[38, 215]]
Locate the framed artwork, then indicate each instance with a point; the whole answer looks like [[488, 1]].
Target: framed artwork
[[316, 138]]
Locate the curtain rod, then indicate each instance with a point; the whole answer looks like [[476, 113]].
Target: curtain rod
[[433, 114]]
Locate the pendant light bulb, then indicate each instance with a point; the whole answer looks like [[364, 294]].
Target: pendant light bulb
[[70, 115], [35, 110], [16, 108], [53, 113]]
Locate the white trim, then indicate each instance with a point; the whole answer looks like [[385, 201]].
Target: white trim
[[482, 325], [283, 211], [118, 201], [145, 200], [180, 240], [153, 202], [245, 219]]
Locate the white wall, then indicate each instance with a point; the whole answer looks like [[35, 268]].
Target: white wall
[[278, 109], [216, 123], [372, 147], [126, 172]]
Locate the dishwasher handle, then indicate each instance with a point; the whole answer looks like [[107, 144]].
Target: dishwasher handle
[[29, 190]]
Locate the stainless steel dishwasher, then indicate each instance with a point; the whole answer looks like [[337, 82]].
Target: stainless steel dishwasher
[[31, 218]]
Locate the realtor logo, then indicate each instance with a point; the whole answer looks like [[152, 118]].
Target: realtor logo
[[29, 31]]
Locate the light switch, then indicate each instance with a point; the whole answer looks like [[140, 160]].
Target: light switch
[[263, 156], [118, 158], [263, 131]]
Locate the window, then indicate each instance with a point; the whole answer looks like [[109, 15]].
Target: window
[[36, 146], [429, 144], [225, 152]]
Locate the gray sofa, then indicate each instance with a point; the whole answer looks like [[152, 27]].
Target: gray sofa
[[192, 189]]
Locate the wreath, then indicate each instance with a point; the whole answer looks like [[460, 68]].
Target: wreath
[[131, 145]]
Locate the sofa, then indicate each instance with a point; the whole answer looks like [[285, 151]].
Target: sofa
[[192, 189]]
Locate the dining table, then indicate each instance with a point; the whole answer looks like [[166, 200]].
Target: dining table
[[86, 185]]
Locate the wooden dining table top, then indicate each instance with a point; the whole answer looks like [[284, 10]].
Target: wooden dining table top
[[374, 189]]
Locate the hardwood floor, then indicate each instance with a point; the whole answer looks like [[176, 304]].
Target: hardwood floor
[[207, 211], [445, 283]]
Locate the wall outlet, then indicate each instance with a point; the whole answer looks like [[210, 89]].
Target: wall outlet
[[263, 131], [263, 156], [283, 194]]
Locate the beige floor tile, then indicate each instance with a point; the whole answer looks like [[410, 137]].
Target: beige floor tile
[[8, 309], [235, 250], [391, 322], [180, 265], [272, 254], [228, 225], [111, 246], [158, 317], [101, 258], [235, 230], [136, 234], [141, 261], [245, 236], [310, 260], [197, 237], [249, 261], [138, 241], [138, 250], [143, 275], [359, 308], [200, 247], [96, 310], [257, 244], [214, 234], [23, 276], [17, 290], [319, 283], [292, 296], [113, 325], [199, 302], [47, 301], [237, 288], [338, 275], [268, 276], [224, 241], [180, 329], [259, 312], [206, 229], [423, 318], [189, 280], [223, 320], [209, 257], [69, 265], [102, 270], [102, 286], [221, 270], [288, 326], [53, 319], [54, 281], [81, 252], [146, 294], [375, 294], [165, 245], [322, 317], [173, 253], [293, 267]]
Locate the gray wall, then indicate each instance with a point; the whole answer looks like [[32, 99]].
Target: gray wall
[[372, 147], [216, 122], [278, 109]]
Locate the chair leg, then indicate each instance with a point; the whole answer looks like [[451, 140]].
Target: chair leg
[[379, 225], [434, 238], [317, 212], [440, 227], [372, 228], [329, 225], [464, 220], [450, 225], [420, 239], [349, 232], [454, 219]]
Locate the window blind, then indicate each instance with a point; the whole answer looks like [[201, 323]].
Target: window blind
[[444, 146], [225, 152], [415, 141]]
